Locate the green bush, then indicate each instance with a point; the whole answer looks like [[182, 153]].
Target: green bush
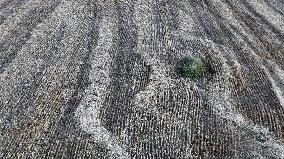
[[261, 137], [192, 67]]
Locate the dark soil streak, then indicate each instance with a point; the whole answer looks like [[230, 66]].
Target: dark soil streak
[[128, 67], [262, 20], [67, 130], [265, 93], [19, 39]]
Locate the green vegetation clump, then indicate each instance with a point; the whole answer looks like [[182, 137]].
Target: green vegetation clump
[[261, 137], [192, 67]]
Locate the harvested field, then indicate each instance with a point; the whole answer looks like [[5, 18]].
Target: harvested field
[[99, 79]]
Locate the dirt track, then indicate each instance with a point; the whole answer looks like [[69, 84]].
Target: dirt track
[[98, 79]]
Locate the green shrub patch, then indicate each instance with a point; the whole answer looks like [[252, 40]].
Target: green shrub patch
[[192, 67]]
